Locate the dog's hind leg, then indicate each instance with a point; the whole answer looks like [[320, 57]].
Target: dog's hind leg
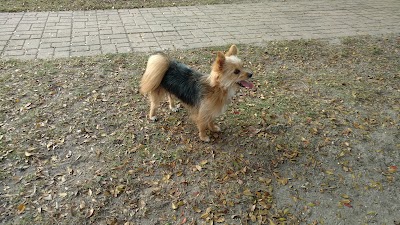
[[172, 106], [155, 98]]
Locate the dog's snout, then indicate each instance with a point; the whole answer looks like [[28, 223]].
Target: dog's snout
[[249, 75]]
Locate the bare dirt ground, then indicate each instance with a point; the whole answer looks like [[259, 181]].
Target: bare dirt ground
[[317, 142]]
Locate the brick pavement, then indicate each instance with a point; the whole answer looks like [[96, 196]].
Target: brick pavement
[[31, 35]]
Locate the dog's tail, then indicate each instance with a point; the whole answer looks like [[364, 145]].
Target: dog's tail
[[156, 67]]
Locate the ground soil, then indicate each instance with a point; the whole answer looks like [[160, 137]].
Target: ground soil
[[316, 142]]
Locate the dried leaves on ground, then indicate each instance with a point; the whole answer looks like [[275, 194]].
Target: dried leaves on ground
[[316, 142]]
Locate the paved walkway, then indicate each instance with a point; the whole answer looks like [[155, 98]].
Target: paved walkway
[[30, 35]]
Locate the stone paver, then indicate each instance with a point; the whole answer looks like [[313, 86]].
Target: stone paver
[[31, 35]]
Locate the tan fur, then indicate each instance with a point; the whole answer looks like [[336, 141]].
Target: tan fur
[[232, 51], [157, 65], [220, 88]]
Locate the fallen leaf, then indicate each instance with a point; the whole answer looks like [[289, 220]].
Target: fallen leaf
[[253, 218], [247, 192], [347, 131], [283, 181], [344, 196], [286, 211], [174, 206], [204, 215], [389, 178], [119, 189], [21, 208], [203, 162], [70, 171], [310, 204], [91, 211], [198, 167], [166, 177], [265, 205], [68, 155], [235, 217], [48, 197], [196, 209], [348, 205], [305, 141], [392, 169], [63, 195], [82, 205], [183, 220], [208, 211], [220, 220], [345, 201], [28, 154], [329, 172], [33, 192], [267, 181]]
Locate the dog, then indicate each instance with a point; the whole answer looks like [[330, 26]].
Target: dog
[[205, 95]]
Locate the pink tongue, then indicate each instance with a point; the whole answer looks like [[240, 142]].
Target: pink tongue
[[247, 84]]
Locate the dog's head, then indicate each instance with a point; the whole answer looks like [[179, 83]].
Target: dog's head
[[228, 71]]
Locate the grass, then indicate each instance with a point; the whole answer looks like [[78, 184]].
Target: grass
[[68, 5], [76, 146]]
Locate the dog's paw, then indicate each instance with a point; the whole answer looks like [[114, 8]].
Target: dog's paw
[[153, 118], [175, 109], [216, 128], [205, 138]]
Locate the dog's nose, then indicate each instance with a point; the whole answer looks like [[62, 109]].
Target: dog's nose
[[249, 75]]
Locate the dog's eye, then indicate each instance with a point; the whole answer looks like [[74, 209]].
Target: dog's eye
[[236, 71]]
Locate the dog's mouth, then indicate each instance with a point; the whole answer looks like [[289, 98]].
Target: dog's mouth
[[246, 84]]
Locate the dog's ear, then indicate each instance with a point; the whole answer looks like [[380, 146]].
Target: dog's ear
[[219, 62], [232, 51]]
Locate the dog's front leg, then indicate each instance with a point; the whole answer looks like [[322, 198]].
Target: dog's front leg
[[202, 131], [202, 119]]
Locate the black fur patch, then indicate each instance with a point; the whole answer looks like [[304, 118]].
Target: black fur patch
[[183, 82]]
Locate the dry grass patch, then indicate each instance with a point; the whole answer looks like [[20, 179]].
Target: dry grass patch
[[70, 5], [315, 140]]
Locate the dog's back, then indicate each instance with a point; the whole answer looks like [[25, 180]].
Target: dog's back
[[183, 82]]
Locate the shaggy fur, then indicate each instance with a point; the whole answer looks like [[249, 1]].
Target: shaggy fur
[[207, 96]]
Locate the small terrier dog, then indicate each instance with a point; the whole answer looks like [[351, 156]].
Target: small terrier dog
[[206, 96]]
